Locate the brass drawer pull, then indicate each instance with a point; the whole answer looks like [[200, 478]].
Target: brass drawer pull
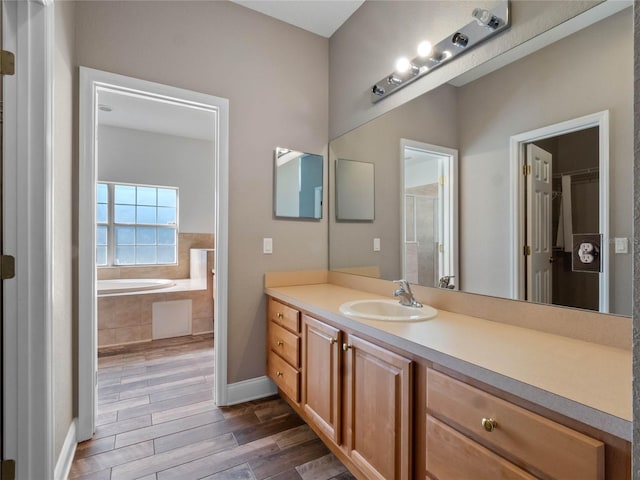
[[346, 346], [279, 374], [332, 341], [489, 424], [280, 343], [279, 315]]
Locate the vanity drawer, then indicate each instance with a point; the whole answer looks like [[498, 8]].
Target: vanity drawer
[[452, 456], [286, 316], [547, 446], [286, 377], [285, 344]]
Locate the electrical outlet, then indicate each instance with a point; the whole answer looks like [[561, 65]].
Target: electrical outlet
[[267, 246], [586, 252]]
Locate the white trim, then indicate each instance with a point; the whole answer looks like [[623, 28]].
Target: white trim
[[65, 459], [28, 31], [451, 233], [250, 389], [91, 81], [516, 156]]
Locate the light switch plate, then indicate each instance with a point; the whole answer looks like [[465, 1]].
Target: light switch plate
[[267, 246], [376, 244], [621, 245]]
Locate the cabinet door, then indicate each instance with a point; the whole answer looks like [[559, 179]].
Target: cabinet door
[[321, 390], [379, 387]]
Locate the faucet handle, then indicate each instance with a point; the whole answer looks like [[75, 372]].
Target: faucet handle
[[403, 284]]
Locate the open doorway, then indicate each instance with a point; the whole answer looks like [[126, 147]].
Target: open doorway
[[561, 191], [429, 214], [153, 196]]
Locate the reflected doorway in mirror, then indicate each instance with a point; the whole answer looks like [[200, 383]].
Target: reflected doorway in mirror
[[429, 212]]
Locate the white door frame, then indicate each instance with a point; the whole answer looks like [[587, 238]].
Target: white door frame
[[91, 81], [516, 161], [450, 233], [28, 29]]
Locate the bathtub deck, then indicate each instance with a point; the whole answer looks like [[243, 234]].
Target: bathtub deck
[[157, 420]]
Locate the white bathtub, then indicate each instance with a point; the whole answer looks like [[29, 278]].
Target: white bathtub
[[130, 285]]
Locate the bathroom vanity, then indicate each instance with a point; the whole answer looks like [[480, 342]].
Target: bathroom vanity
[[453, 397]]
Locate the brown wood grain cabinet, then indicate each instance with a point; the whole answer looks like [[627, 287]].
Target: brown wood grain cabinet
[[391, 415], [539, 445], [378, 386], [322, 391], [283, 348]]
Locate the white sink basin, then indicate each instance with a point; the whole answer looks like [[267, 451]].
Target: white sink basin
[[386, 310]]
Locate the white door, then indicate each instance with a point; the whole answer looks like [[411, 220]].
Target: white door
[[539, 261]]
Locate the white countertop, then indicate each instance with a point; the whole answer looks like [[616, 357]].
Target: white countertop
[[585, 381]]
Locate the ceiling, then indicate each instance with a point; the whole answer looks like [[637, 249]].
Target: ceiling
[[154, 115], [322, 17]]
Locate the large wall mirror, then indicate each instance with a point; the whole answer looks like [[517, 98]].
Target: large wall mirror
[[571, 99]]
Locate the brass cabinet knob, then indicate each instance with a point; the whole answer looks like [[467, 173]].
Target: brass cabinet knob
[[346, 346], [280, 343], [332, 341], [489, 424], [278, 315], [279, 374]]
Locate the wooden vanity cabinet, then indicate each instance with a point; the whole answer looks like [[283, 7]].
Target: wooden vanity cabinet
[[360, 397], [462, 418], [370, 387], [378, 409], [283, 348], [322, 390]]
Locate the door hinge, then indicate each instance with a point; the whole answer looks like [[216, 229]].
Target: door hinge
[[527, 250], [7, 267], [526, 170], [8, 470], [7, 62], [441, 248], [441, 180]]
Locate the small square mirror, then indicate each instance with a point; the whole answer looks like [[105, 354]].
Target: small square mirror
[[297, 184], [354, 191]]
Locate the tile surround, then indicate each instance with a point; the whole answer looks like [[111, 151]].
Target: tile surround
[[125, 319]]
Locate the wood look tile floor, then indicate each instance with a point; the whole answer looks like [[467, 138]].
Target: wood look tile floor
[[156, 420]]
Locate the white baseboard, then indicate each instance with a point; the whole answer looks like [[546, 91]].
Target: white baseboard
[[65, 459], [251, 389]]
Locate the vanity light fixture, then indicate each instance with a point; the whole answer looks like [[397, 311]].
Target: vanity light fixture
[[485, 24], [425, 49], [486, 18], [460, 40]]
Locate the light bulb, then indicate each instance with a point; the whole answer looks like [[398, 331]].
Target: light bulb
[[403, 65], [424, 49], [486, 18]]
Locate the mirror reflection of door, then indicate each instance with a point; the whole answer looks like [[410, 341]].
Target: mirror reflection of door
[[562, 198], [429, 219]]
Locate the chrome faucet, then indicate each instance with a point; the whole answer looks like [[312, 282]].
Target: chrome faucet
[[405, 294], [445, 282]]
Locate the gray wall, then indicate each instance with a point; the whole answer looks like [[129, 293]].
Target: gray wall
[[63, 258], [366, 47], [635, 469], [430, 119], [222, 49], [134, 156]]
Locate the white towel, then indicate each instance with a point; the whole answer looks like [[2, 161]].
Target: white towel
[[560, 234], [567, 219]]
